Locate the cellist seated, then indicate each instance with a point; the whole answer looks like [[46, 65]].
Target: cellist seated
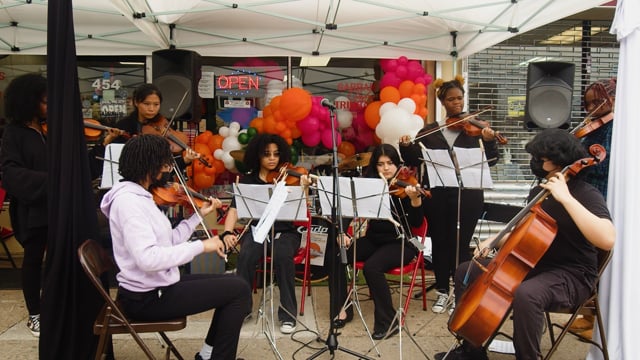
[[566, 273]]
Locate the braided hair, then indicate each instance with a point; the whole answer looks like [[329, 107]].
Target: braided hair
[[603, 90], [442, 86], [143, 157]]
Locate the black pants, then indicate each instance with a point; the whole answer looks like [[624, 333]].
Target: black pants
[[542, 292], [193, 294], [378, 259], [442, 213], [285, 246], [34, 243]]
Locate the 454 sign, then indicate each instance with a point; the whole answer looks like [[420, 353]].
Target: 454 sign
[[106, 84]]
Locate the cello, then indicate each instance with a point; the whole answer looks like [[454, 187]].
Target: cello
[[485, 303]]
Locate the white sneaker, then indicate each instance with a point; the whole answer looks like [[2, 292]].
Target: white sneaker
[[287, 327], [441, 302], [34, 325]]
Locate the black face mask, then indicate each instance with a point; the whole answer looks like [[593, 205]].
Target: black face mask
[[536, 168]]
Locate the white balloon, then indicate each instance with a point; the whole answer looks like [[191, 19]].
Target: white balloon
[[218, 154], [386, 107], [345, 118], [231, 143], [234, 126], [395, 123], [224, 131], [229, 162], [407, 104]]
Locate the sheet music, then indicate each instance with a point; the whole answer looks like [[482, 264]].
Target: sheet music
[[439, 168], [110, 173], [474, 168], [269, 215], [252, 200], [371, 195]]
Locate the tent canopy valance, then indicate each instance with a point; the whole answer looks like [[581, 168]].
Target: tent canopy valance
[[417, 29]]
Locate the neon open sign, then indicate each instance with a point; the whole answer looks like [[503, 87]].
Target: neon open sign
[[238, 83]]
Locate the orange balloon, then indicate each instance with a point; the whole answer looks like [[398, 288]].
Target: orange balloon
[[295, 132], [257, 123], [275, 103], [406, 88], [202, 149], [204, 137], [423, 112], [209, 170], [215, 142], [389, 94], [203, 181], [295, 104], [419, 89], [346, 148], [218, 164], [270, 125], [372, 114], [267, 111]]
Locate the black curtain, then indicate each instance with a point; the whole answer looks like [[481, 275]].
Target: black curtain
[[69, 302]]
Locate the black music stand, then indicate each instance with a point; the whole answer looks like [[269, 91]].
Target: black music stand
[[371, 196], [269, 203], [464, 168]]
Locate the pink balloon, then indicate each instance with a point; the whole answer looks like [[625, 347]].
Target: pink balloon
[[327, 140], [308, 125], [311, 139], [402, 60], [384, 64], [401, 72], [390, 79]]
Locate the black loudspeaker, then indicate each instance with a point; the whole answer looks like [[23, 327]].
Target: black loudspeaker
[[176, 73], [549, 93]]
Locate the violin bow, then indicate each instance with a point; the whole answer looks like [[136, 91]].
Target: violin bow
[[486, 108], [173, 117], [587, 118]]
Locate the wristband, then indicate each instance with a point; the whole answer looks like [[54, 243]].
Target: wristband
[[225, 233]]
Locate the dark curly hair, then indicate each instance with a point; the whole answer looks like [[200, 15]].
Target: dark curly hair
[[257, 146], [380, 150], [23, 97], [144, 156], [557, 145]]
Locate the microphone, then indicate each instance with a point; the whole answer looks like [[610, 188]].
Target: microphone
[[328, 104]]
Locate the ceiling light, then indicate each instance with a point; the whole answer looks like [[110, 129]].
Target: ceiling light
[[571, 36], [131, 63], [307, 61]]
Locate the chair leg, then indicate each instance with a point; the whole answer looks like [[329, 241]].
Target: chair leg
[[9, 257], [170, 346]]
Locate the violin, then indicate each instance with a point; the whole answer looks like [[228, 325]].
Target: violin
[[452, 123], [589, 125], [93, 129], [177, 139], [282, 174], [173, 194], [401, 181], [473, 127], [485, 303], [592, 125]]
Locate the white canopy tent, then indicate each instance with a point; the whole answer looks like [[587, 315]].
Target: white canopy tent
[[417, 29]]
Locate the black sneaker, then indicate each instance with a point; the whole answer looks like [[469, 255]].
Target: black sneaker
[[463, 352], [198, 357], [382, 334]]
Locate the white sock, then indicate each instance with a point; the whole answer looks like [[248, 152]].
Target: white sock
[[206, 351]]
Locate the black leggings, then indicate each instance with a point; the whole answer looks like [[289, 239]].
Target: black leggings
[[34, 243], [230, 295]]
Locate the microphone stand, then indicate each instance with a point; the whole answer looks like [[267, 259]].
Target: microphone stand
[[336, 229]]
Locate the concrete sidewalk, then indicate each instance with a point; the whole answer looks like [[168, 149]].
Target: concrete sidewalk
[[429, 331]]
